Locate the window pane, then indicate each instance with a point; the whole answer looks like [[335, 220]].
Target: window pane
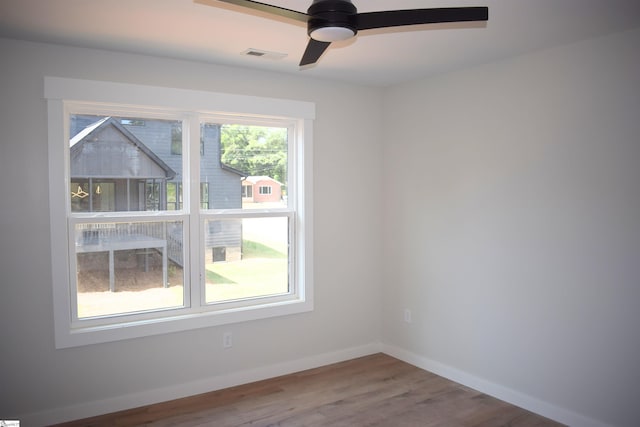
[[246, 258], [128, 267], [240, 160], [123, 164]]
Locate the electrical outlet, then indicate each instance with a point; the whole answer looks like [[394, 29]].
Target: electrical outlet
[[407, 315], [227, 340]]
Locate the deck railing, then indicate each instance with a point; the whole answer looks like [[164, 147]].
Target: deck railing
[[170, 231]]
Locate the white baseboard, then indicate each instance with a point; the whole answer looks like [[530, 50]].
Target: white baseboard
[[513, 397], [148, 397]]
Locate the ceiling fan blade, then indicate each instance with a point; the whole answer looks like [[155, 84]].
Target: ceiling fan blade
[[398, 18], [313, 52], [274, 10]]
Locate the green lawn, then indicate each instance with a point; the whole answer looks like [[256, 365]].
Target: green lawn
[[263, 270]]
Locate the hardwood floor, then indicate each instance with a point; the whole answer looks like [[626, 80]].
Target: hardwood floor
[[375, 390]]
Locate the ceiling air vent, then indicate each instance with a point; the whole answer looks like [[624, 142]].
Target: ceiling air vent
[[263, 54]]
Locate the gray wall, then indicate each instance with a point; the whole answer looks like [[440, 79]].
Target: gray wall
[[37, 378], [517, 244]]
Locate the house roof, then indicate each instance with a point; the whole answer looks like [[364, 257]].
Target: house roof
[[233, 170], [86, 131], [255, 179], [114, 163]]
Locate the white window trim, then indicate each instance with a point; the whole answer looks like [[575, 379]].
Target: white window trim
[[57, 91]]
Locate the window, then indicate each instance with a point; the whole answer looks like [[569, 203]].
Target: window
[[265, 189], [174, 196], [204, 195], [132, 122], [176, 138], [146, 240], [247, 191]]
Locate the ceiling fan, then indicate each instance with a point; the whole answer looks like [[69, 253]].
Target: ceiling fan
[[333, 20]]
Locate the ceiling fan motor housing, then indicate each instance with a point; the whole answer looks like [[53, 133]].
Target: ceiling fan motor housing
[[335, 14]]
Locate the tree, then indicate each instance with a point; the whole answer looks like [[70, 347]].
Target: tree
[[255, 150]]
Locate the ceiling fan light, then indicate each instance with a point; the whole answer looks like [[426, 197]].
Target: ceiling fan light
[[332, 34]]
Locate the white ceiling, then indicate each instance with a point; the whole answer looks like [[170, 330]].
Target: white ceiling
[[211, 31]]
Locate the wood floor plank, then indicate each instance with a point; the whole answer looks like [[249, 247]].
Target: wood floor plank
[[375, 390]]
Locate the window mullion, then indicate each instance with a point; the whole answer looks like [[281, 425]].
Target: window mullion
[[191, 140]]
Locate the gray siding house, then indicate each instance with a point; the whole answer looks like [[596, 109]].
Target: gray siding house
[[122, 164]]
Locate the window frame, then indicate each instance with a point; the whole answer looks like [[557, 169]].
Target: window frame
[[64, 95]]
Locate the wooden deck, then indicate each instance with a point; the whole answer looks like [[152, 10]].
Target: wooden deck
[[376, 390]]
